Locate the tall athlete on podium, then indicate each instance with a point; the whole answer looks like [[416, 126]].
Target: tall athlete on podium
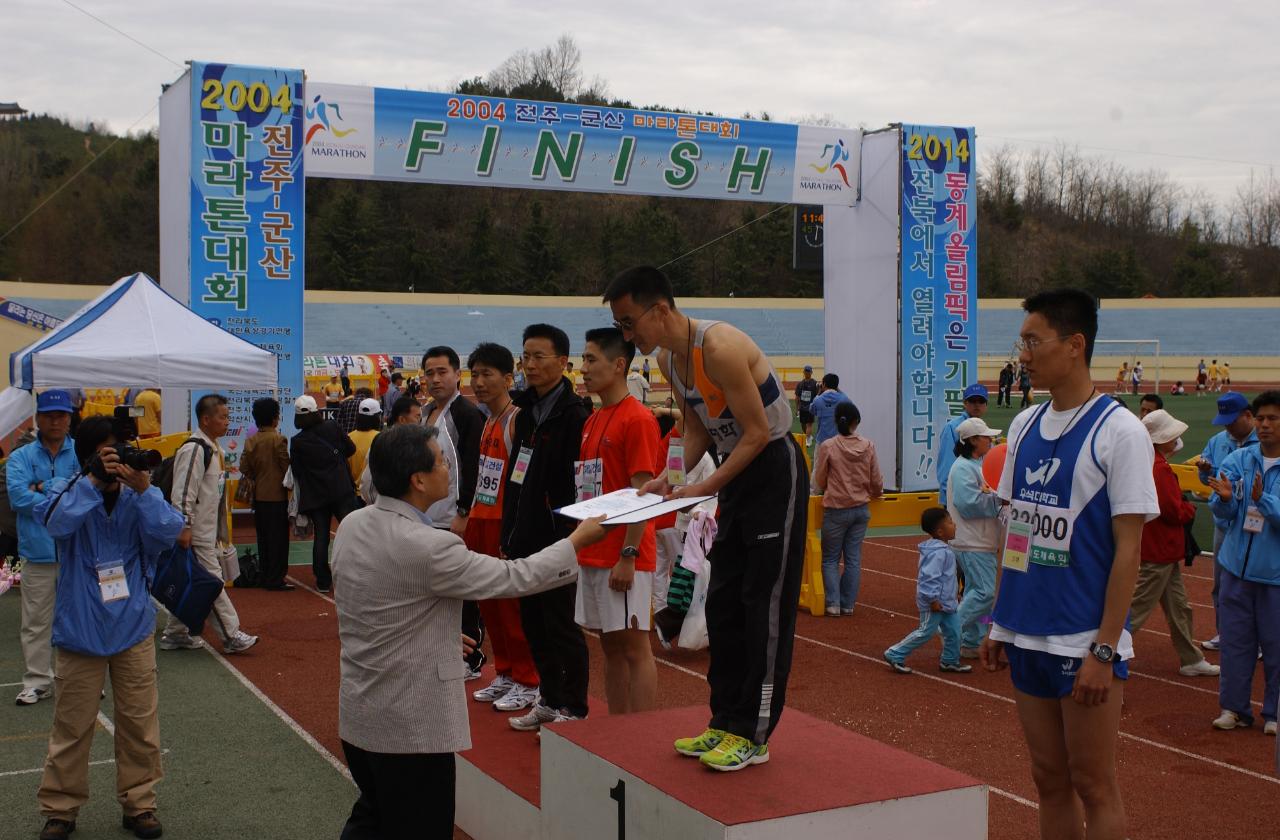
[[732, 400]]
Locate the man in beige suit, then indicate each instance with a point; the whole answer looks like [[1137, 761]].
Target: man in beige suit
[[399, 585]]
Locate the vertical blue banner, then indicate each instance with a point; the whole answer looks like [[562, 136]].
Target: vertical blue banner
[[939, 349], [247, 212]]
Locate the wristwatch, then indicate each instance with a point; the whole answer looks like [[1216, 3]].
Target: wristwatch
[[1103, 653], [630, 552]]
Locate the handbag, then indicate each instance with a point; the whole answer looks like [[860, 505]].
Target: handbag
[[184, 587], [244, 490]]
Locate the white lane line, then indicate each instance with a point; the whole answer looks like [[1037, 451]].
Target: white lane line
[[40, 769], [107, 724], [313, 591], [283, 715], [1014, 797], [9, 685], [956, 684]]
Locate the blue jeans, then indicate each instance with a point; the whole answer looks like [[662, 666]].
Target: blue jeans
[[979, 569], [931, 623], [842, 532]]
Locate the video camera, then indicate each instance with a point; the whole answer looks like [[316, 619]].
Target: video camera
[[124, 424]]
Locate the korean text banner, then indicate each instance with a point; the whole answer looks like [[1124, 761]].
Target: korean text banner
[[398, 135], [247, 213], [939, 291]]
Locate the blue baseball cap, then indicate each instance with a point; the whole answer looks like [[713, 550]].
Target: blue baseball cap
[[53, 401], [975, 390], [1230, 405]]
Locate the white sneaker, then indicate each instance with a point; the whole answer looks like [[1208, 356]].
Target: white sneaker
[[1270, 728], [1211, 644], [533, 719], [1200, 669], [1230, 720], [495, 690], [519, 697], [182, 641], [563, 715], [472, 674], [239, 642], [32, 696]]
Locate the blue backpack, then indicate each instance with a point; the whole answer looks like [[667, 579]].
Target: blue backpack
[[184, 587]]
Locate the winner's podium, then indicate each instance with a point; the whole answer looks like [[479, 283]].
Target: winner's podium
[[617, 777]]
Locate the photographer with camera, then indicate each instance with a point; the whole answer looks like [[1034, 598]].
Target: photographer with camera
[[108, 524]]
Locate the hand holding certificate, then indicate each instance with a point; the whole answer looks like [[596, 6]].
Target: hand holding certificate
[[628, 506]]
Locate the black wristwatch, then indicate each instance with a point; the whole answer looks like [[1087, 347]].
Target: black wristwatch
[[1103, 653], [464, 512], [630, 552]]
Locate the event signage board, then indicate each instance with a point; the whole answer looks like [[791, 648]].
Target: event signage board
[[401, 135], [247, 213], [939, 322]]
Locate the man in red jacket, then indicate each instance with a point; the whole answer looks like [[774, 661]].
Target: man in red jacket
[[1164, 549]]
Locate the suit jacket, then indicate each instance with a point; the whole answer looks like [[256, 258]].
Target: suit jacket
[[399, 586]]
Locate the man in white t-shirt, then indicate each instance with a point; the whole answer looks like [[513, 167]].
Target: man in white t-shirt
[[1079, 483]]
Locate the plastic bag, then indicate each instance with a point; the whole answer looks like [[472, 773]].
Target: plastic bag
[[693, 633]]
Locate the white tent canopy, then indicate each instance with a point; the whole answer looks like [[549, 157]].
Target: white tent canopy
[[136, 334]]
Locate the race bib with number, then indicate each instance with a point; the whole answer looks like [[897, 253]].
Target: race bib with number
[[1253, 520], [1050, 532], [522, 465], [589, 477], [489, 480], [112, 582], [675, 463], [1017, 545]]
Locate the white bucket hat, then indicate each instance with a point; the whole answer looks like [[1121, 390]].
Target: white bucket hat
[[976, 427], [1163, 426]]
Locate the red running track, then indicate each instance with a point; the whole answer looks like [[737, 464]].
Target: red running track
[[1180, 777]]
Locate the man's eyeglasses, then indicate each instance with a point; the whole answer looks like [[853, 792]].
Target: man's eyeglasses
[[629, 324], [537, 358], [1030, 344]]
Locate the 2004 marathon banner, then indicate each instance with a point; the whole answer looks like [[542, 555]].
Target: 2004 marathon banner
[[939, 290], [384, 134], [247, 210]]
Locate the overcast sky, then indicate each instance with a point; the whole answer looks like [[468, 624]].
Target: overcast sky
[[1184, 80]]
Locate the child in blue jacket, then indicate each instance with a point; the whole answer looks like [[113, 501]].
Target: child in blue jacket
[[935, 597]]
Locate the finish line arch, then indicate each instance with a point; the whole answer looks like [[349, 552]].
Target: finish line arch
[[238, 142]]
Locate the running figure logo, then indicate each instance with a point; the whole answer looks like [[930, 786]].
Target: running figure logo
[[1044, 472], [319, 111], [839, 154]]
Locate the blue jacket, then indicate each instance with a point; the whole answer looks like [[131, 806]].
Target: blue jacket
[[937, 580], [823, 409], [947, 455], [1253, 557], [1221, 445], [139, 528], [28, 465]]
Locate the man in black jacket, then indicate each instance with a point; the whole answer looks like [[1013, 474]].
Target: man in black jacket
[[318, 456], [545, 440], [460, 425]]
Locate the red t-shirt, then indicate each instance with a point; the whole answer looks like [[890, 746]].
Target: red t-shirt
[[625, 439], [493, 463]]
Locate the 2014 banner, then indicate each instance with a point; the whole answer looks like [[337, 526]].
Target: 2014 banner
[[385, 134], [939, 296], [247, 212]]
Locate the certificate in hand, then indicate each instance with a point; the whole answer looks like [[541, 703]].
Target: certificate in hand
[[628, 506]]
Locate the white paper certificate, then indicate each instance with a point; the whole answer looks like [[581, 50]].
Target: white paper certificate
[[628, 506]]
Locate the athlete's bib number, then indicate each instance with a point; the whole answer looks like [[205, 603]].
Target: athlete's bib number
[[1050, 532], [589, 477], [489, 481]]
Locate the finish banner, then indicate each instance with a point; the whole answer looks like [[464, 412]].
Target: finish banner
[[939, 295], [247, 212], [397, 135]]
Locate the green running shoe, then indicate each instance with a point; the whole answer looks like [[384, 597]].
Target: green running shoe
[[704, 743], [735, 753]]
